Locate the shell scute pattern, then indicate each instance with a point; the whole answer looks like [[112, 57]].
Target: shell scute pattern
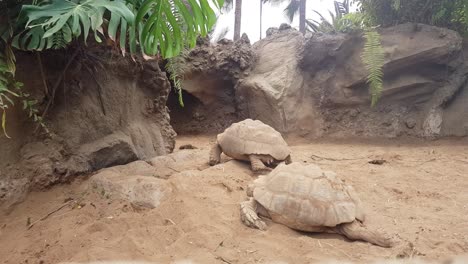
[[253, 137], [307, 195]]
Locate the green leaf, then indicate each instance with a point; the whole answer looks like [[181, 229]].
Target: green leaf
[[170, 25], [4, 124], [85, 24], [123, 35], [56, 23], [157, 25], [113, 25]]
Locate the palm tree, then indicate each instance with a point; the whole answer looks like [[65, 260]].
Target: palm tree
[[302, 16], [294, 7], [228, 5], [237, 19], [261, 16]]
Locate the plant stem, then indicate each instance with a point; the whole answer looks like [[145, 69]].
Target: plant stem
[[41, 67], [54, 90]]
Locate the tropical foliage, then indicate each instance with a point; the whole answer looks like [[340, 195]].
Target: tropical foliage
[[155, 26], [175, 66], [373, 57], [451, 14], [296, 7], [8, 88], [146, 26], [336, 24]]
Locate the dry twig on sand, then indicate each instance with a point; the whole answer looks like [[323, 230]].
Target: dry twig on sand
[[317, 157], [50, 213]]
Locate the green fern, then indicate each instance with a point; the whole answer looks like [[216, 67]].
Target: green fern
[[373, 57], [176, 68]]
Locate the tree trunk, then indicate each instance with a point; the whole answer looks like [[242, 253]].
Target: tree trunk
[[237, 20], [302, 16], [261, 16]]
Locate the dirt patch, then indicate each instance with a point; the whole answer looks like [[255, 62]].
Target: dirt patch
[[418, 194]]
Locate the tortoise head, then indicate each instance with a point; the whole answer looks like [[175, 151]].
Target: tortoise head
[[271, 162], [260, 181]]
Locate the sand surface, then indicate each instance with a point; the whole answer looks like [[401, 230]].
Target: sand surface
[[420, 194]]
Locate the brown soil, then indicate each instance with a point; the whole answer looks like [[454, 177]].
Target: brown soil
[[419, 194]]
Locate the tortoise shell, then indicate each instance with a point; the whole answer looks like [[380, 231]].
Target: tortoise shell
[[301, 195], [253, 137]]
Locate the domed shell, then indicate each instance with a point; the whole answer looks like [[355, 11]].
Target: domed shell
[[307, 196], [253, 137]]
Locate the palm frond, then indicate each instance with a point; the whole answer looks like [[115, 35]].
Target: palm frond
[[228, 5], [312, 25], [291, 10], [323, 26], [274, 2], [373, 57]]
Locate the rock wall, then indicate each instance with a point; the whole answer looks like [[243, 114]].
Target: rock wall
[[316, 85], [210, 74], [108, 111]]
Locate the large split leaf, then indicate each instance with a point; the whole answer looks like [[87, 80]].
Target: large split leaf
[[56, 23], [165, 26], [173, 24]]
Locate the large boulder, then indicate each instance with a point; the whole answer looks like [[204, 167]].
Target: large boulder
[[182, 160], [127, 184], [274, 90]]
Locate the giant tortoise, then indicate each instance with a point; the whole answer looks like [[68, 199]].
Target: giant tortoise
[[305, 198], [254, 141]]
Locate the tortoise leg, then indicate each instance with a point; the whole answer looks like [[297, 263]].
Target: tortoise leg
[[288, 160], [249, 216], [257, 164], [215, 154], [357, 231]]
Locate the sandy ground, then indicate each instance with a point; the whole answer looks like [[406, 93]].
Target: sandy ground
[[420, 194]]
